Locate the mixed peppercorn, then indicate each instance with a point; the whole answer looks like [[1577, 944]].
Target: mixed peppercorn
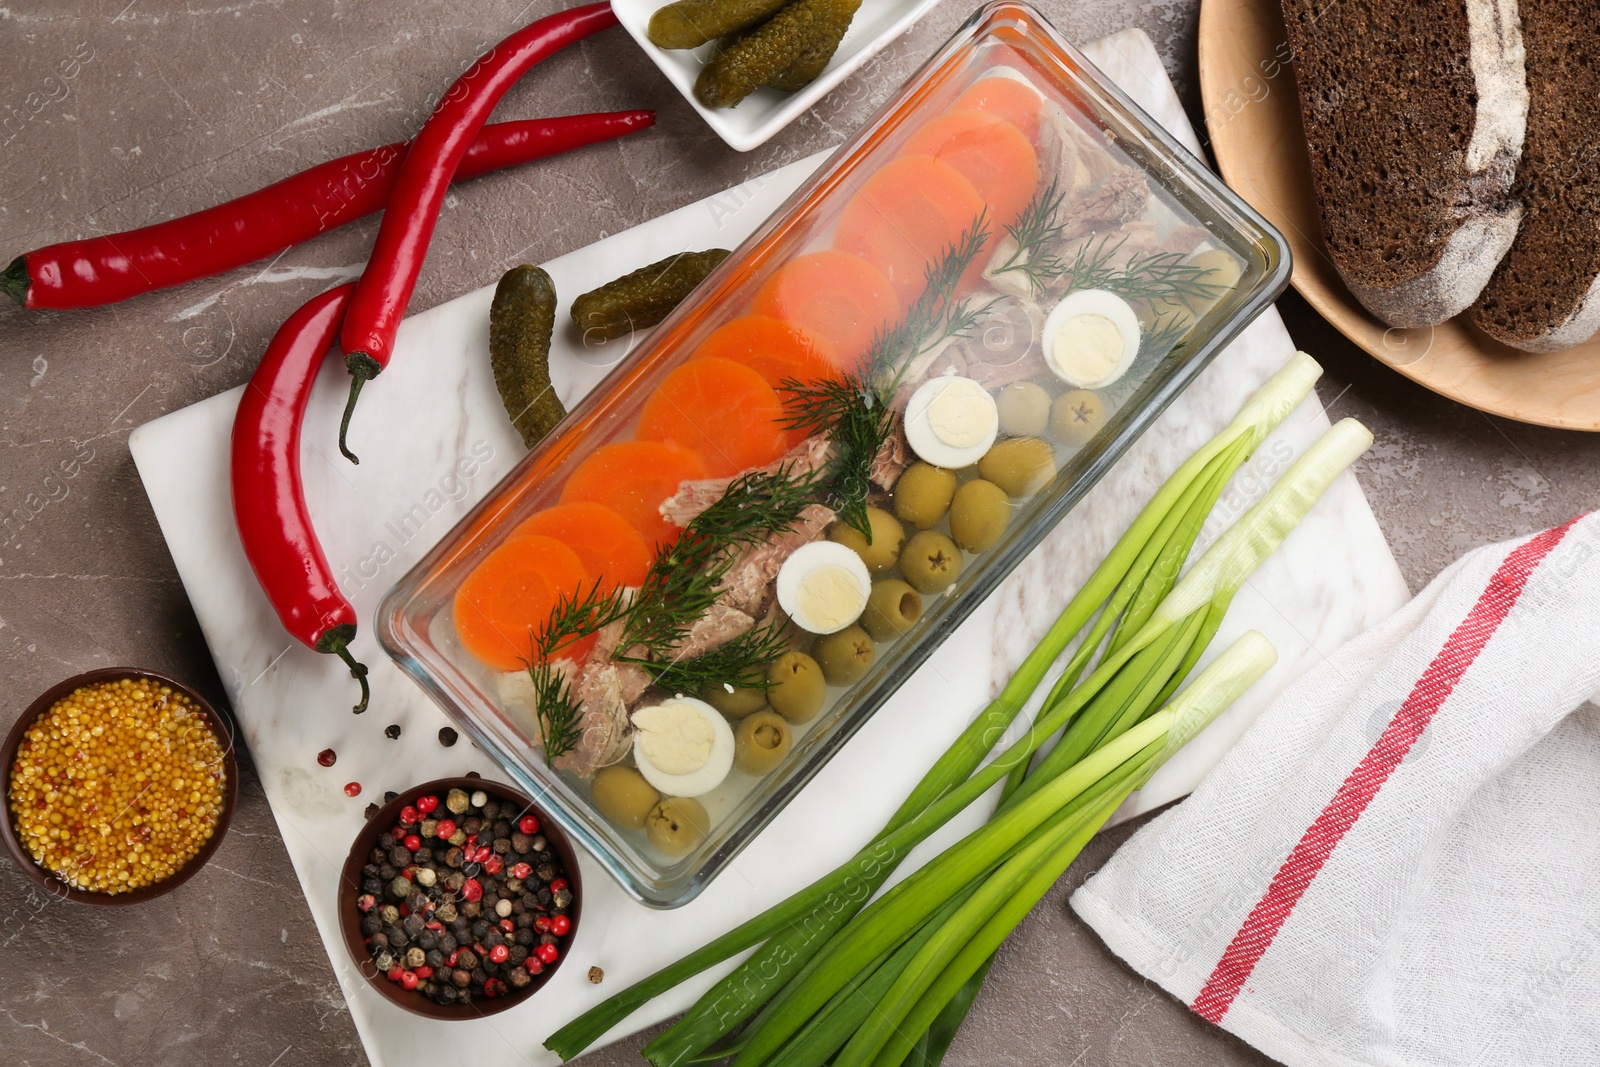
[[465, 902]]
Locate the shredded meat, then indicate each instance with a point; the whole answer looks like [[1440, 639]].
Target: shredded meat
[[605, 734], [892, 459], [993, 376], [714, 629], [693, 497], [1120, 199], [746, 585]]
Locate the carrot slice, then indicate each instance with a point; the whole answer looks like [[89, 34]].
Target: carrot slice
[[832, 295], [905, 216], [774, 349], [725, 411], [989, 152], [610, 548], [634, 478], [508, 596], [1008, 98]]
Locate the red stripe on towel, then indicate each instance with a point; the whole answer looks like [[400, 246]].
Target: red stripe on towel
[[1363, 784]]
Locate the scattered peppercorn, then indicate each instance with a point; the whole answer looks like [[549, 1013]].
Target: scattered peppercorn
[[372, 809], [447, 736], [352, 789], [327, 757], [117, 785], [596, 975], [392, 731]]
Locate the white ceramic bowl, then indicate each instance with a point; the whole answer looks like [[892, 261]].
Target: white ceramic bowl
[[766, 111]]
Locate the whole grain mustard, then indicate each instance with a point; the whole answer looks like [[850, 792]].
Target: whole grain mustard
[[117, 786]]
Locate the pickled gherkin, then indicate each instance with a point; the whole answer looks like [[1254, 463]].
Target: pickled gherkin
[[771, 50], [522, 318], [643, 297], [819, 53], [691, 23]]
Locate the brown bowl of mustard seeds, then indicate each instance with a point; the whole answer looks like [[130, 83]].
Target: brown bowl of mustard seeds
[[119, 785]]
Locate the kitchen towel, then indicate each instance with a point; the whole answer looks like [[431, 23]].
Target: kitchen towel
[[1399, 864]]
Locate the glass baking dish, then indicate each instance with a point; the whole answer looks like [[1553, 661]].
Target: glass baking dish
[[1116, 206]]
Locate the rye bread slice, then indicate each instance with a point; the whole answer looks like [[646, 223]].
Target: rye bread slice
[[1545, 295], [1414, 114]]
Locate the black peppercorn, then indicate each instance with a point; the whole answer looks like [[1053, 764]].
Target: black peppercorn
[[387, 871], [461, 977], [428, 940], [418, 901], [502, 845], [447, 943], [521, 843], [524, 936], [447, 736], [472, 824], [372, 886], [491, 810], [467, 959], [386, 841], [447, 994], [397, 938], [502, 828], [454, 858], [520, 978], [549, 939], [392, 731], [491, 938], [480, 928], [390, 796], [400, 856], [372, 809], [479, 975], [371, 924], [470, 909]]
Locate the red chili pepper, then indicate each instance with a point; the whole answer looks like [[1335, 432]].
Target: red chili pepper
[[385, 287], [103, 270], [269, 504]]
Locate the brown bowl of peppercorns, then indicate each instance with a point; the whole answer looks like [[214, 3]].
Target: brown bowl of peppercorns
[[459, 899], [119, 785]]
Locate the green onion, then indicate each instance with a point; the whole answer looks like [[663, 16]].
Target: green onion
[[1135, 573], [969, 937]]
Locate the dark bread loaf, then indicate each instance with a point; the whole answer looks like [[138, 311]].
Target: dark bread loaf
[[1414, 114], [1545, 295]]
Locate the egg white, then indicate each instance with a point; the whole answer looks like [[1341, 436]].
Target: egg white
[[710, 774], [808, 558], [919, 429], [1092, 302]]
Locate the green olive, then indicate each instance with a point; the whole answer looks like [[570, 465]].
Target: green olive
[[922, 495], [930, 562], [677, 825], [623, 796], [892, 609], [1024, 409], [979, 515], [796, 687], [760, 742], [1222, 271], [736, 701], [1020, 465], [1077, 416], [844, 656], [887, 537]]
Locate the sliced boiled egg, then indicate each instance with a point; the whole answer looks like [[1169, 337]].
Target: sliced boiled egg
[[951, 421], [823, 587], [683, 746], [1091, 338]]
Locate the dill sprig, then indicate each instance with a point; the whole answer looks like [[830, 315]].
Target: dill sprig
[[849, 411], [740, 662], [1153, 277], [854, 410], [576, 615], [683, 580]]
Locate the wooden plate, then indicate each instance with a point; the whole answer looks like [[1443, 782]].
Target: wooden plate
[[1253, 118]]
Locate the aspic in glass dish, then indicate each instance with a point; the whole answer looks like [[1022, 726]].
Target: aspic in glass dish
[[674, 611]]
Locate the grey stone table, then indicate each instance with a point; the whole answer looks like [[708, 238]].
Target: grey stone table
[[114, 114]]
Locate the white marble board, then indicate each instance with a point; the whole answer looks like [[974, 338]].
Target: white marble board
[[435, 439]]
